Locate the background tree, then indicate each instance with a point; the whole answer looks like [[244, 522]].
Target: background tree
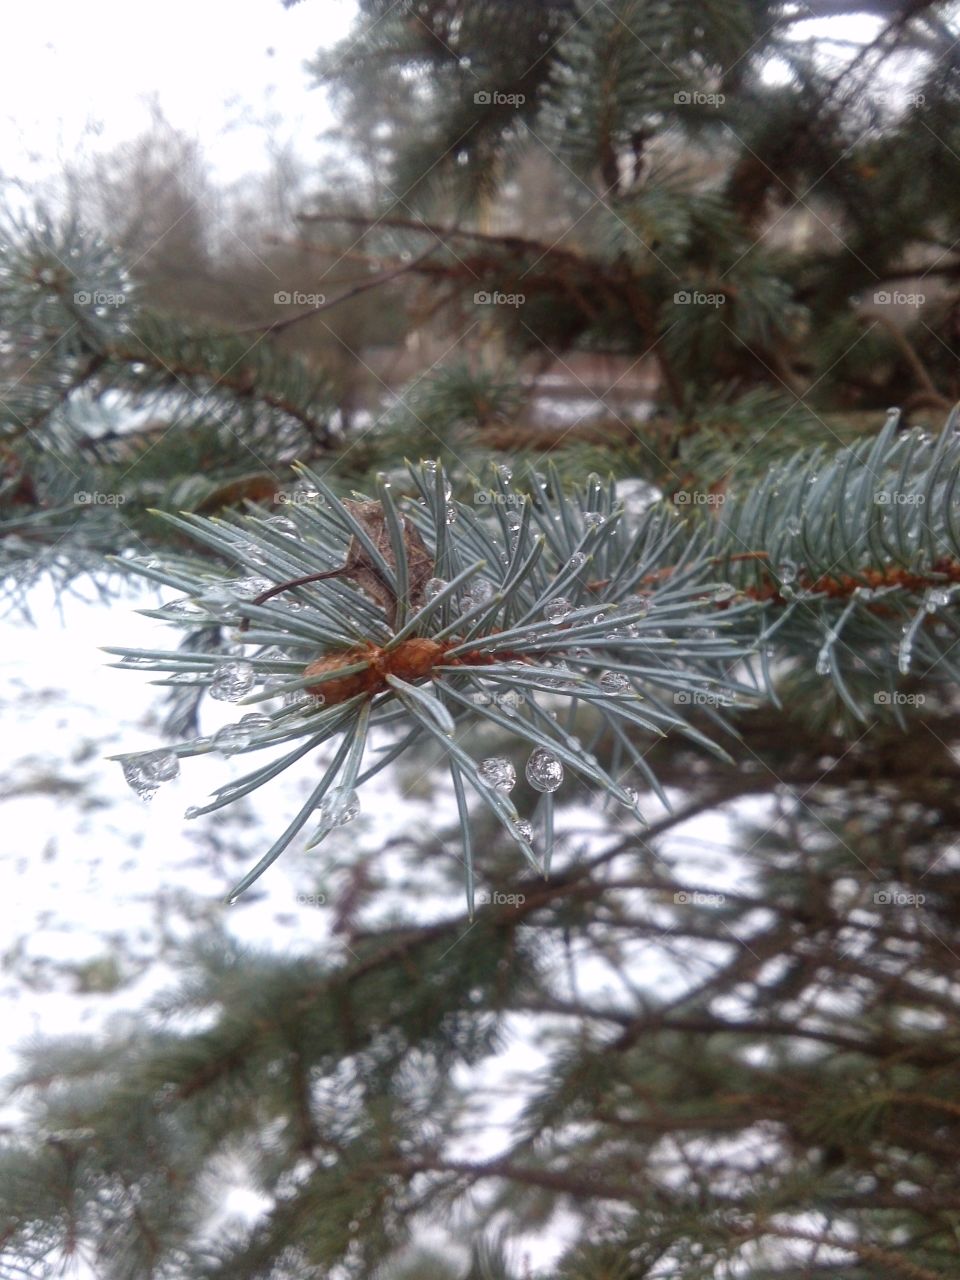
[[671, 1050]]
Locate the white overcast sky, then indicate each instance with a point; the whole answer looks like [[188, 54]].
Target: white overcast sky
[[81, 75]]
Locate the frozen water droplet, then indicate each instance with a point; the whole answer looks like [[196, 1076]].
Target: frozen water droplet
[[823, 663], [341, 806], [636, 604], [220, 600], [556, 610], [577, 560], [725, 591], [450, 513], [613, 682], [256, 722], [544, 771], [505, 473], [592, 519], [194, 811], [282, 524], [231, 681], [523, 830], [935, 599], [231, 738], [144, 772], [498, 772], [481, 592], [434, 587], [253, 552], [786, 571], [185, 607], [252, 586], [794, 527]]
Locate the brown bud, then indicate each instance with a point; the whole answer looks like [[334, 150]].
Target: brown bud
[[411, 660]]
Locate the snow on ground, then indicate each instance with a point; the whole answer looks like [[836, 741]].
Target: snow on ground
[[102, 886]]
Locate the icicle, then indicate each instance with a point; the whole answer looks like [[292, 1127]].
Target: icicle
[[905, 657], [341, 806], [145, 772]]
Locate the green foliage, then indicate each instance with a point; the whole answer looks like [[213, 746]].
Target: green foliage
[[535, 600], [716, 1041]]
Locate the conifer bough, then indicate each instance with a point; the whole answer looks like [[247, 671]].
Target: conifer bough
[[535, 605], [420, 619]]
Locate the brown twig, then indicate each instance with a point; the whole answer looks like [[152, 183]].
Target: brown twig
[[277, 326], [906, 349]]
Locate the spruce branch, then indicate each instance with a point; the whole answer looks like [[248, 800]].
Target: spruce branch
[[351, 627]]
